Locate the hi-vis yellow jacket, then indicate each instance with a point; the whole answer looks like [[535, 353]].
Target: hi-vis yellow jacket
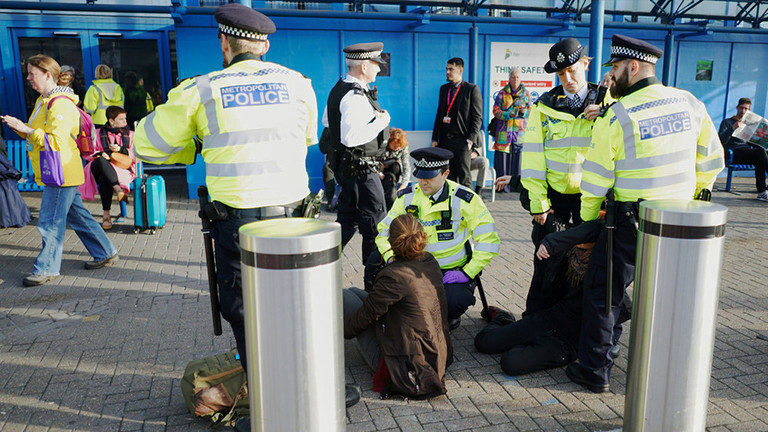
[[102, 94], [554, 146], [449, 223], [255, 119], [657, 142]]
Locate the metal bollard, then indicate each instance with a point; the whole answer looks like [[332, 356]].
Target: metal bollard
[[291, 272], [677, 281]]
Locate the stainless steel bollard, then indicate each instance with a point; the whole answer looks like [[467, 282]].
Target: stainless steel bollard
[[291, 272], [677, 281]]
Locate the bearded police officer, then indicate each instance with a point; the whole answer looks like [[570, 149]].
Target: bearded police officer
[[359, 130], [557, 136], [255, 120], [451, 215], [655, 142]]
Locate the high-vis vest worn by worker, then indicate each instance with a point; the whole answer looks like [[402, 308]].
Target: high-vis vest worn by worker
[[554, 146], [658, 142], [255, 119], [102, 94], [449, 223]]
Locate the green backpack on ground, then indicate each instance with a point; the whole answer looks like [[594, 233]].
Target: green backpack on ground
[[215, 388]]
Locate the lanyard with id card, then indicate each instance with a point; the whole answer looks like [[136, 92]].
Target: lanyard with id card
[[447, 118]]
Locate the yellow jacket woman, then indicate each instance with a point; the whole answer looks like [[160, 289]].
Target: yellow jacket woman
[[57, 122], [61, 123]]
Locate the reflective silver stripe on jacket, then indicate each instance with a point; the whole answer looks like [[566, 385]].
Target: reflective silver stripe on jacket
[[709, 165], [487, 247], [241, 169], [534, 174], [408, 199], [226, 139], [598, 169], [155, 139], [484, 229], [594, 189], [627, 128], [650, 183], [458, 239], [451, 259], [653, 161], [568, 142], [532, 147], [570, 168], [209, 103]]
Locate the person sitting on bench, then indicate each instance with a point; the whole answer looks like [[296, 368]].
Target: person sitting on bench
[[743, 152]]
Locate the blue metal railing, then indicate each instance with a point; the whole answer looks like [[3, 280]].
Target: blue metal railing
[[17, 153]]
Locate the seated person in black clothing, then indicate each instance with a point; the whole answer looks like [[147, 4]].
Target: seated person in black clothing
[[395, 172], [113, 167], [547, 338], [743, 152]]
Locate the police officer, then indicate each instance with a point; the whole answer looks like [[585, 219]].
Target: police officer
[[655, 142], [451, 214], [359, 130], [256, 120], [557, 137]]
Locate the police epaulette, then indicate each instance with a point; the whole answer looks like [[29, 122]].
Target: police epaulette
[[404, 191], [464, 194]]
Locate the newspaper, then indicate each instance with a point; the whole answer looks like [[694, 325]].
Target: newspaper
[[753, 129]]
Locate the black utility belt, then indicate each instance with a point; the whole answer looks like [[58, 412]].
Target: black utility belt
[[223, 211]]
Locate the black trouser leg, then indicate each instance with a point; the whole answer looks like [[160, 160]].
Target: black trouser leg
[[459, 296], [752, 155], [361, 206], [106, 179], [459, 163], [597, 328], [527, 345]]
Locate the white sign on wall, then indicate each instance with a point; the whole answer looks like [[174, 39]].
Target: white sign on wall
[[530, 58]]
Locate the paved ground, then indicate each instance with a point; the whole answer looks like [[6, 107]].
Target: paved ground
[[104, 350]]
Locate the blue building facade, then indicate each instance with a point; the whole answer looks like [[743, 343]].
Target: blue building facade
[[312, 41]]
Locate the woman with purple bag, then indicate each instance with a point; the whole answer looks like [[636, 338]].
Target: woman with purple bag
[[58, 166], [510, 111]]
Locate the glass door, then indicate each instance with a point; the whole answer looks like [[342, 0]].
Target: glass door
[[64, 47]]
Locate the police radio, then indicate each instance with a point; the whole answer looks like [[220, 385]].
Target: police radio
[[596, 96]]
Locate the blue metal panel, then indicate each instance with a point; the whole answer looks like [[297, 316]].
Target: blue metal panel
[[712, 93], [747, 77]]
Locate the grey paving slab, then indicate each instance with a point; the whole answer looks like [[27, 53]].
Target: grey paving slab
[[104, 350]]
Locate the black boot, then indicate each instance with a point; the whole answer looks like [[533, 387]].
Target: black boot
[[351, 394]]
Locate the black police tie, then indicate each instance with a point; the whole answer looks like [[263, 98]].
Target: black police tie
[[575, 102]]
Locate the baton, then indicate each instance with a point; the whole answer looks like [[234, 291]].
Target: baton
[[210, 261], [610, 211]]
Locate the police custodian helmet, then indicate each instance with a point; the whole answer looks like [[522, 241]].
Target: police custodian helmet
[[429, 161], [240, 21]]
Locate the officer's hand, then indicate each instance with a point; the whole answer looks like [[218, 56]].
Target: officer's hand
[[469, 143], [541, 219], [542, 253], [455, 276], [591, 112], [502, 182], [434, 143]]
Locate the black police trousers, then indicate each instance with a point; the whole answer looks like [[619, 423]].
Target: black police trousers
[[361, 207], [598, 329], [459, 296], [567, 212], [528, 345], [227, 252]]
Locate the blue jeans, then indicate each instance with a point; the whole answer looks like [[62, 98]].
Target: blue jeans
[[62, 206]]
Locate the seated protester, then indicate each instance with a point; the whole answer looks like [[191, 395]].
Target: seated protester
[[402, 322], [452, 215], [395, 172], [113, 167], [743, 152], [548, 338]]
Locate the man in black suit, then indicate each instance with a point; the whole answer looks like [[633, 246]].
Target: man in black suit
[[458, 120]]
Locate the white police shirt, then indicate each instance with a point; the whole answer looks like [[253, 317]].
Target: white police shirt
[[359, 124]]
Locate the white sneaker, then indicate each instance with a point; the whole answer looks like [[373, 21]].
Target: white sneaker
[[763, 196]]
